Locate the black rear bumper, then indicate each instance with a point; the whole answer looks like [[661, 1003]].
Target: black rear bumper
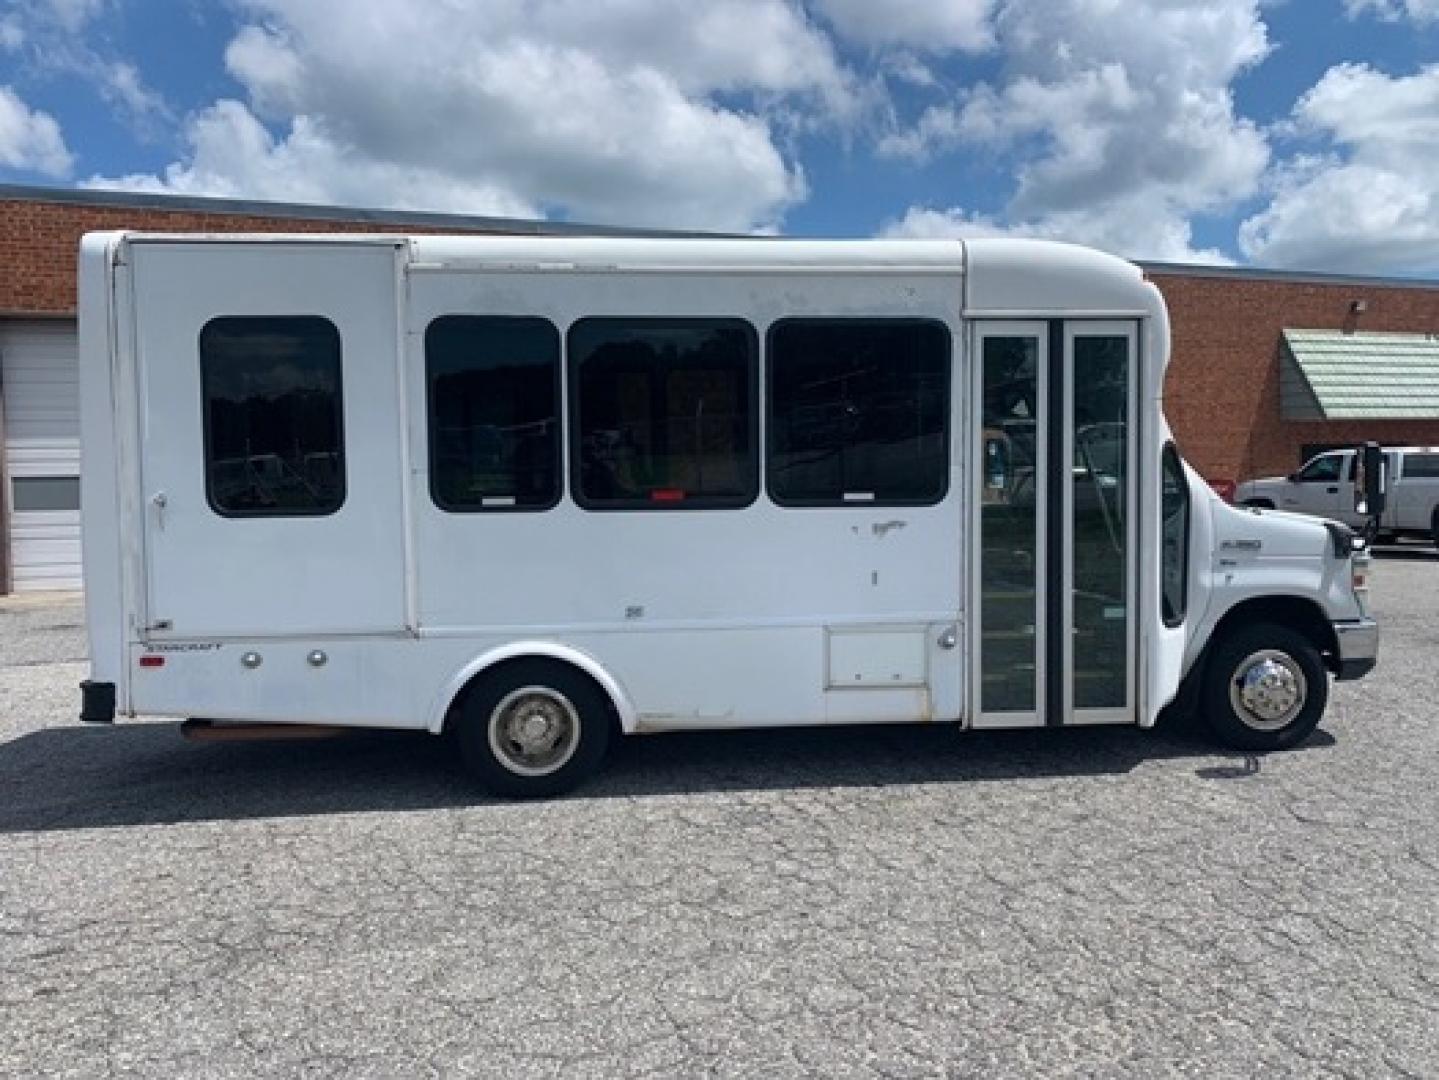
[[97, 702]]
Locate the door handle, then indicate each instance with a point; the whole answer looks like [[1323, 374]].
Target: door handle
[[949, 638], [159, 501], [1333, 490]]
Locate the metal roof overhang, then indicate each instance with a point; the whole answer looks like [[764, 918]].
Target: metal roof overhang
[[1331, 375]]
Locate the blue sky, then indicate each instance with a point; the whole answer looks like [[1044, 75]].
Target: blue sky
[[1299, 133]]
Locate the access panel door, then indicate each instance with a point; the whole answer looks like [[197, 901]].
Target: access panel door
[[1052, 555], [270, 417]]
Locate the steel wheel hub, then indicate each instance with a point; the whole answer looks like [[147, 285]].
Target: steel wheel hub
[[1268, 690], [534, 731]]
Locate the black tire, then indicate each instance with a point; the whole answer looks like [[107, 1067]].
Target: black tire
[[1292, 653], [1434, 527], [545, 688]]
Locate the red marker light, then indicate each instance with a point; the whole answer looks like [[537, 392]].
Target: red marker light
[[667, 495], [152, 660]]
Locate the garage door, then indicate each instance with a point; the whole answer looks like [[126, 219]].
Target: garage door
[[42, 449]]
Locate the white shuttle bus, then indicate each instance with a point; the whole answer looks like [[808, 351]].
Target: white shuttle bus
[[537, 493]]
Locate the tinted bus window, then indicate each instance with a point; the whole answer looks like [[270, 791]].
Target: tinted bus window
[[859, 412], [1173, 538], [1421, 465], [664, 413], [272, 410], [494, 413]]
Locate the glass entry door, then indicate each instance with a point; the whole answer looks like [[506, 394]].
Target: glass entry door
[[1052, 555]]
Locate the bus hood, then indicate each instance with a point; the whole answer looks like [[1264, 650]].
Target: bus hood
[[1270, 533]]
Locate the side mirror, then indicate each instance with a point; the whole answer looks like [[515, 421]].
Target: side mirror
[[1371, 485], [1293, 477]]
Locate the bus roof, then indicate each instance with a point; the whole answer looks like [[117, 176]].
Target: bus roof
[[752, 253], [756, 254], [1003, 275]]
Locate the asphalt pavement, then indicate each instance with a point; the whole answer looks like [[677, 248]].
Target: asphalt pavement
[[838, 902]]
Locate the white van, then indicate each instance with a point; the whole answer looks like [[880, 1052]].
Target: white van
[[1324, 487], [541, 492]]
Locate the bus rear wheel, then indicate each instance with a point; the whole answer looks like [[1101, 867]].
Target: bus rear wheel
[[533, 729], [1266, 688]]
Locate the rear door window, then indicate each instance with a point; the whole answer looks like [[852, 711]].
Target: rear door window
[[273, 417]]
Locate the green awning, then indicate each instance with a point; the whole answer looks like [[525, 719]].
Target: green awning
[[1330, 375]]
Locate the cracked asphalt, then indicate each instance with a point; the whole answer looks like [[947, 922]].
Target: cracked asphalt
[[843, 902]]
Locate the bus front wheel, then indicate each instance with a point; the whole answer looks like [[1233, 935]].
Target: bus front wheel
[[533, 729], [1266, 688]]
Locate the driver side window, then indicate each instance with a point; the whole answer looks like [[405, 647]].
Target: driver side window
[[1323, 469], [1173, 538]]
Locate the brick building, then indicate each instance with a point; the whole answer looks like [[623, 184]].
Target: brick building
[[1224, 395], [1229, 361]]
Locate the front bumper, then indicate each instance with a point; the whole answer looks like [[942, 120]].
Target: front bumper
[[1358, 647]]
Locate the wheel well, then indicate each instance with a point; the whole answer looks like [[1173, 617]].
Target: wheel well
[[1295, 612], [500, 667]]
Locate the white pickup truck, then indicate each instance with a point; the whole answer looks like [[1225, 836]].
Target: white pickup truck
[[1324, 487]]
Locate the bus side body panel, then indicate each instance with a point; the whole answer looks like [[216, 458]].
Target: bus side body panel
[[272, 458], [709, 618], [212, 607], [703, 618]]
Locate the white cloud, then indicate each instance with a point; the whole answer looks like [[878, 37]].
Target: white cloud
[[929, 25], [58, 40], [232, 154], [1136, 232], [1117, 117], [655, 112], [12, 33], [73, 15], [121, 83], [938, 128], [269, 67], [1395, 120], [955, 223], [30, 140], [907, 68], [1370, 201], [1419, 11]]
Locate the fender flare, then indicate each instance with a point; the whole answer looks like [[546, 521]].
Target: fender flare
[[548, 650]]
